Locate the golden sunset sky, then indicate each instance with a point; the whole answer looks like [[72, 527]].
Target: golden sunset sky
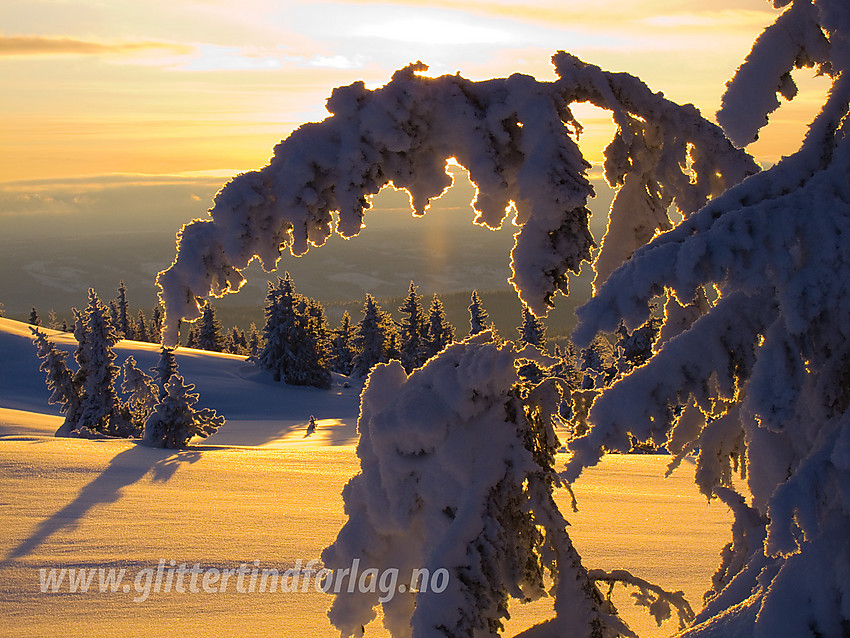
[[177, 87]]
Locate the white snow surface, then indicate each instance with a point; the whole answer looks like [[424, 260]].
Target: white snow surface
[[257, 490]]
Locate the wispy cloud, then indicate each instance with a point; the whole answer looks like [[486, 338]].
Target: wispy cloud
[[31, 45], [334, 62]]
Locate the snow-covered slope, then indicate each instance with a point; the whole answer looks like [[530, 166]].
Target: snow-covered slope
[[258, 410], [258, 491]]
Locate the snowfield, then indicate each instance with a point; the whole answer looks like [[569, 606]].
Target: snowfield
[[259, 494]]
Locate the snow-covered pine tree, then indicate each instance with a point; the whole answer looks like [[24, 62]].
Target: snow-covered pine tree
[[342, 349], [175, 421], [141, 328], [760, 381], [209, 331], [254, 340], [491, 523], [101, 411], [34, 319], [60, 380], [280, 322], [165, 368], [313, 367], [532, 330], [413, 331], [125, 325], [192, 336], [141, 392], [375, 339], [156, 325], [440, 332], [296, 337], [477, 314], [597, 364]]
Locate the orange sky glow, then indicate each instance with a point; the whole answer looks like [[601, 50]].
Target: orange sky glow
[[186, 86]]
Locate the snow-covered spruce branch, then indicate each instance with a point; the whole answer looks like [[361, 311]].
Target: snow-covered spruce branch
[[774, 245], [515, 137], [659, 602]]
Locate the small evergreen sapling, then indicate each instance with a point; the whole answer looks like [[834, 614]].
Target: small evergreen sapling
[[165, 368], [175, 421], [141, 392]]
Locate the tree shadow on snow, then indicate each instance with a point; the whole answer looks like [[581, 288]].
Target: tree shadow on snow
[[126, 468]]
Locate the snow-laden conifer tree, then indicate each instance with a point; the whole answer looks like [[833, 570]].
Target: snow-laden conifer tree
[[313, 367], [209, 330], [754, 376], [457, 475], [64, 391], [413, 331], [101, 411], [141, 392], [477, 314], [532, 330], [254, 340], [375, 340], [141, 328], [124, 324], [296, 339], [165, 368], [34, 319], [156, 325], [440, 332], [175, 421], [342, 349]]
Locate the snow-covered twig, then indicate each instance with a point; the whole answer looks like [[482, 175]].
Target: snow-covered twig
[[658, 601]]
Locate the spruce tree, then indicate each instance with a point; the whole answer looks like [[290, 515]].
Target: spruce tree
[[34, 319], [125, 321], [342, 350], [141, 392], [165, 368], [209, 331], [64, 391], [296, 337], [413, 332], [376, 338], [142, 328], [532, 331], [477, 315], [254, 340], [156, 325], [440, 332], [100, 409], [174, 420]]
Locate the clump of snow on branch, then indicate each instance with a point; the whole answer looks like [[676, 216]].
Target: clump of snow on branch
[[759, 383], [515, 136], [456, 474]]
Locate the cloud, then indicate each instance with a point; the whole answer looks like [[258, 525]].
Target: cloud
[[334, 62], [210, 57], [31, 45]]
